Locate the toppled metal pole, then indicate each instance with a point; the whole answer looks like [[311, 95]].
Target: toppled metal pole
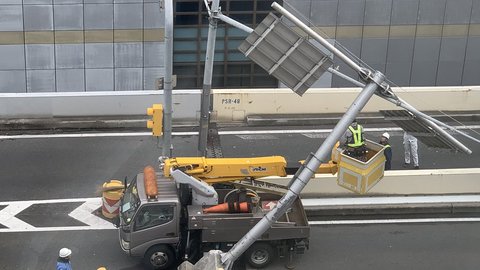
[[305, 173]]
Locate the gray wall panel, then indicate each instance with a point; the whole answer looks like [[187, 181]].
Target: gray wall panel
[[150, 75], [38, 17], [11, 18], [68, 17], [99, 79], [98, 1], [12, 2], [128, 1], [324, 12], [41, 80], [99, 55], [69, 55], [40, 56], [153, 18], [450, 73], [128, 54], [351, 12], [98, 16], [36, 2], [431, 11], [300, 7], [12, 57], [475, 18], [128, 79], [404, 11], [377, 12], [12, 81], [154, 54], [472, 62], [458, 11], [70, 80], [62, 2], [374, 52], [399, 60], [452, 55], [123, 18], [425, 62], [423, 73], [354, 46]]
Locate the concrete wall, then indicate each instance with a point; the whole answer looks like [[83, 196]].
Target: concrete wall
[[431, 182], [237, 105], [186, 104], [229, 105]]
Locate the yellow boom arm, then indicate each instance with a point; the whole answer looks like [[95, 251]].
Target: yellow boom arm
[[217, 170]]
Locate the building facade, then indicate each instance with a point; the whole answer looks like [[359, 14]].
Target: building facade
[[115, 45]]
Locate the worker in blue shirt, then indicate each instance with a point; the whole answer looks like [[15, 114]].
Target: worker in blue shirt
[[63, 261], [388, 150]]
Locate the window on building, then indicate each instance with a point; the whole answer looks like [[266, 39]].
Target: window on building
[[231, 68]]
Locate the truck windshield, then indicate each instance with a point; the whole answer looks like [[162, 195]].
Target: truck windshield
[[130, 202]]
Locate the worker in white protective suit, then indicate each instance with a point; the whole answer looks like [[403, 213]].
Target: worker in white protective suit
[[411, 148]]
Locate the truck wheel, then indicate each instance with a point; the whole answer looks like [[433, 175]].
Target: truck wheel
[[259, 255], [159, 257]]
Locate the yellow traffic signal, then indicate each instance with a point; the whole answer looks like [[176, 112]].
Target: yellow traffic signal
[[156, 124]]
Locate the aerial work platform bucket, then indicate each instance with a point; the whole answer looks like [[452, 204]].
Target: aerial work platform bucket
[[359, 176]]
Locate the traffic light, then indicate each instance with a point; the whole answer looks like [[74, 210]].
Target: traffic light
[[156, 124]]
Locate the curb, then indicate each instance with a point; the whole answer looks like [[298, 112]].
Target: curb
[[421, 209]]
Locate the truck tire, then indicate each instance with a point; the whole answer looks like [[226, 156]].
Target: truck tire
[[259, 255], [159, 257]]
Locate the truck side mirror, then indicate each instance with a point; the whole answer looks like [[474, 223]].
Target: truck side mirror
[[116, 221]]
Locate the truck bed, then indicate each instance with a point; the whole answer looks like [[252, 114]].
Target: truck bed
[[231, 227]]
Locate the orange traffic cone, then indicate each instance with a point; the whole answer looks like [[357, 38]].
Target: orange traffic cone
[[229, 208]]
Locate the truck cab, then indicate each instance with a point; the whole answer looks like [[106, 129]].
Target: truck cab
[[150, 228]]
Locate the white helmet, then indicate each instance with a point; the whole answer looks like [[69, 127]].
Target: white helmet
[[386, 135], [64, 252]]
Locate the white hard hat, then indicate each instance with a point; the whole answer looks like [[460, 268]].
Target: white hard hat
[[64, 252], [386, 135]]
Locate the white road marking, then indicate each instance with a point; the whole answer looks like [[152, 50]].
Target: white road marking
[[8, 219], [193, 133], [257, 137], [83, 213], [392, 221]]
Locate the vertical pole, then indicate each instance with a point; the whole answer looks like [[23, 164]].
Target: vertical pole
[[167, 89], [205, 105], [304, 175]]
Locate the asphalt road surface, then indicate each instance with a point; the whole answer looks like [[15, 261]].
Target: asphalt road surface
[[406, 246], [60, 168], [57, 168]]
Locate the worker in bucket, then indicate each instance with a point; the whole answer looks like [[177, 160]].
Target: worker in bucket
[[387, 151], [354, 141], [63, 261], [410, 146]]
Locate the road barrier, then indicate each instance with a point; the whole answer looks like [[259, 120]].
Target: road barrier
[[228, 105], [402, 182]]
